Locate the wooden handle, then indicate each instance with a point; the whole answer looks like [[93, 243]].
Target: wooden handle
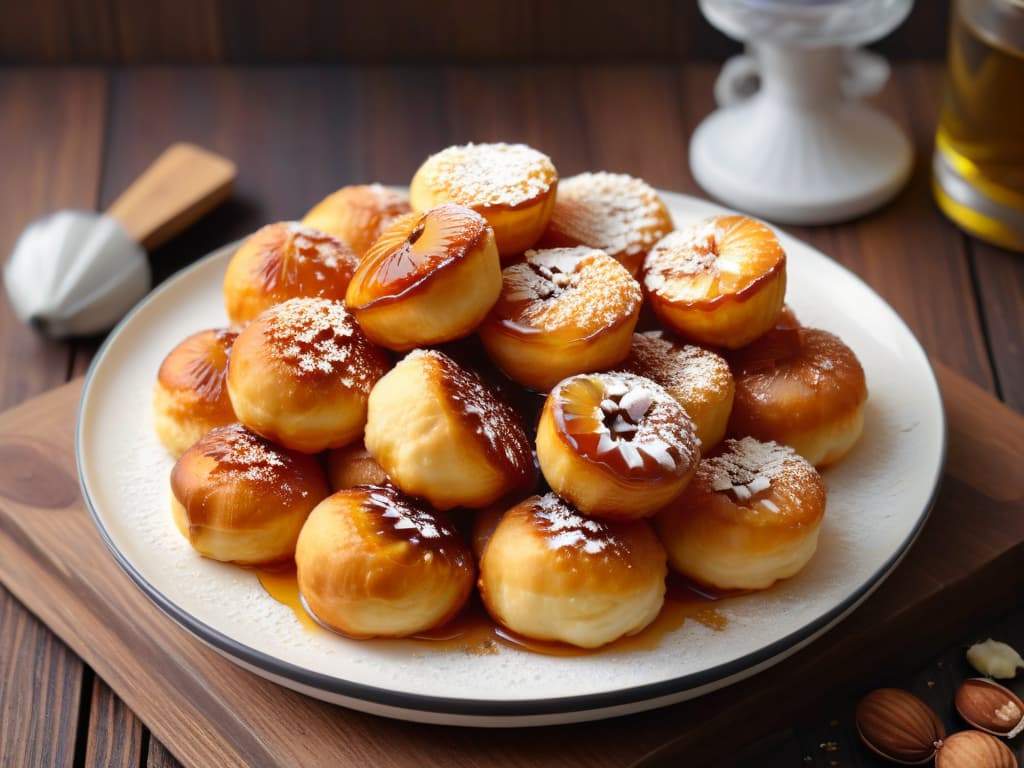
[[181, 186]]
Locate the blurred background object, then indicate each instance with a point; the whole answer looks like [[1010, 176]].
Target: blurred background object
[[803, 147], [979, 148]]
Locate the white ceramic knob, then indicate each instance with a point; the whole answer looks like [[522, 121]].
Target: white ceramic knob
[[75, 273]]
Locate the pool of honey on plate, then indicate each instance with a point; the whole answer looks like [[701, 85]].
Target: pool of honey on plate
[[473, 631]]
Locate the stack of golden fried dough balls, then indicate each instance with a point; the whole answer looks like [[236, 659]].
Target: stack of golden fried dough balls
[[470, 352]]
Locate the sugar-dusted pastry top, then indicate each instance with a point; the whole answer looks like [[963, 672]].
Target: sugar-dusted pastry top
[[319, 338], [489, 175], [723, 256], [689, 372], [626, 422], [566, 289], [619, 214]]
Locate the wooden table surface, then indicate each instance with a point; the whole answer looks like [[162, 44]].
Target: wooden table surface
[[72, 138]]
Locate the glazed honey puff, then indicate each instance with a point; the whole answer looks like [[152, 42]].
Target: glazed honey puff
[[358, 215], [430, 277], [550, 573], [239, 498], [615, 445], [511, 185], [719, 282], [190, 397], [561, 311], [301, 372], [284, 261], [802, 387], [619, 214], [749, 517], [441, 434], [373, 562], [699, 380]]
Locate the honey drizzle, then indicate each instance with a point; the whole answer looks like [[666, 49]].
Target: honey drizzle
[[473, 631]]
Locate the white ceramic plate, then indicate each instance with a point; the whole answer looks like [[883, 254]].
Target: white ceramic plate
[[879, 497]]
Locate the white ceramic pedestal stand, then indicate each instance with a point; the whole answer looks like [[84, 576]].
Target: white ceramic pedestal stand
[[801, 149]]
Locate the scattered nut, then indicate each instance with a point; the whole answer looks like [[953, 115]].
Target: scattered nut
[[990, 707], [995, 659], [899, 726], [974, 749]]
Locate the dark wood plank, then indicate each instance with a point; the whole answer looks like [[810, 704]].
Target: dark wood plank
[[264, 32], [47, 167], [159, 756], [1000, 282], [115, 732], [40, 686]]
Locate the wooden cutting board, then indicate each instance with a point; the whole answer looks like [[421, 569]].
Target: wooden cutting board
[[967, 565]]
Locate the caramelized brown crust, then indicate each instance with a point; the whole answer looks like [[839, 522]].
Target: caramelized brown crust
[[283, 261], [357, 215], [195, 372], [235, 487], [374, 562], [616, 445], [494, 424], [702, 251], [626, 424], [394, 267], [564, 295], [561, 311], [301, 373], [794, 381], [619, 214], [550, 573]]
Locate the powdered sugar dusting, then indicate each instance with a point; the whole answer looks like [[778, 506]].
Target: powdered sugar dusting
[[615, 212], [243, 455], [684, 253], [489, 175], [690, 373], [567, 528], [628, 422], [492, 420], [320, 337], [748, 467], [568, 288]]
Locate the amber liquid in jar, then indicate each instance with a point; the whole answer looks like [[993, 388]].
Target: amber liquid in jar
[[979, 152]]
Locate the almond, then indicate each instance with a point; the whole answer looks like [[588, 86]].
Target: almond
[[974, 749], [899, 726], [990, 707]]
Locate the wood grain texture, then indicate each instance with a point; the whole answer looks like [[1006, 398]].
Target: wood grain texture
[[158, 756], [207, 710], [1000, 284], [46, 167], [114, 739], [197, 32], [40, 685]]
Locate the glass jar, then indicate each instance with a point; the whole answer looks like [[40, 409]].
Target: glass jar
[[979, 149]]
